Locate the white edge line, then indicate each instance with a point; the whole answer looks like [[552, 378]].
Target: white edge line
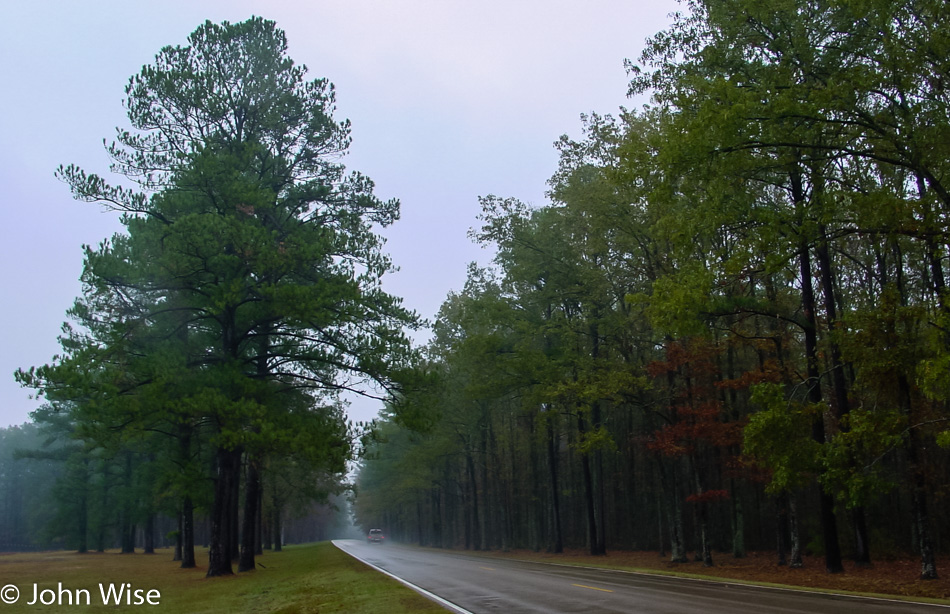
[[443, 602]]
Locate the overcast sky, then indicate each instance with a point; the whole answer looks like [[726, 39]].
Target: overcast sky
[[449, 100]]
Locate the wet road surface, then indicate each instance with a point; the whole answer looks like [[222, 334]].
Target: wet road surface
[[482, 584]]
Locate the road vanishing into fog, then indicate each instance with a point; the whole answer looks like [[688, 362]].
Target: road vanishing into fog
[[477, 584]]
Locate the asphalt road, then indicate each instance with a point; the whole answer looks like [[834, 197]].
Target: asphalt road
[[482, 584]]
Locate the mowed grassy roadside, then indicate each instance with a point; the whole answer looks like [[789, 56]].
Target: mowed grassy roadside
[[299, 580]]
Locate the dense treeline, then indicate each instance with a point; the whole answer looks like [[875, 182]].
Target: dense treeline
[[54, 495], [202, 367], [728, 330]]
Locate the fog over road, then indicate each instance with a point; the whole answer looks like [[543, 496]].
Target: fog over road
[[484, 584]]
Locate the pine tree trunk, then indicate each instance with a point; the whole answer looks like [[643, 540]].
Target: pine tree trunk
[[126, 526], [234, 509], [829, 521], [82, 522], [795, 558], [675, 520], [928, 563], [674, 512], [476, 537], [589, 505], [259, 528], [150, 534], [781, 528], [738, 525], [268, 532], [219, 553], [487, 529], [128, 538], [278, 526], [187, 533], [178, 539], [593, 538], [705, 552], [552, 440], [600, 547], [251, 494], [437, 537], [842, 405], [862, 555]]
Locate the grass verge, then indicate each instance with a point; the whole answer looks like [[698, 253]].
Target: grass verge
[[300, 580]]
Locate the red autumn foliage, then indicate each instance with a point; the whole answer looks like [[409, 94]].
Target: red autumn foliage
[[708, 496]]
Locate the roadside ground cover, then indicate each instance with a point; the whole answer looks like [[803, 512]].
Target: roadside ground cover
[[311, 578]]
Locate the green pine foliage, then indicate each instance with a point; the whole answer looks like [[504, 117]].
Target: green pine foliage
[[218, 330]]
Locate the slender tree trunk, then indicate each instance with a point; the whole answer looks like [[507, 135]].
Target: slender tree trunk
[[928, 562], [466, 509], [476, 538], [219, 555], [675, 521], [601, 504], [660, 510], [234, 509], [278, 530], [251, 495], [591, 509], [552, 442], [795, 558], [738, 524], [781, 528], [150, 534], [420, 523], [925, 543], [101, 530], [861, 553], [186, 525], [126, 526], [82, 517], [537, 520], [187, 533], [268, 531], [437, 518], [488, 505], [178, 539], [705, 551], [600, 547], [500, 506], [839, 385], [673, 510], [259, 525], [829, 521], [82, 521]]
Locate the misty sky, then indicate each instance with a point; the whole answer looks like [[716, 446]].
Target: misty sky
[[449, 100]]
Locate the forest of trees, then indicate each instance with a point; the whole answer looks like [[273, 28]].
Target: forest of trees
[[728, 331], [201, 371], [53, 496]]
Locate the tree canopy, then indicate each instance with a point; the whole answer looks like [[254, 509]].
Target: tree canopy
[[245, 294], [737, 293]]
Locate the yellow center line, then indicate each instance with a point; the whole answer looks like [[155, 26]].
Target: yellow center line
[[488, 568], [593, 588]]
